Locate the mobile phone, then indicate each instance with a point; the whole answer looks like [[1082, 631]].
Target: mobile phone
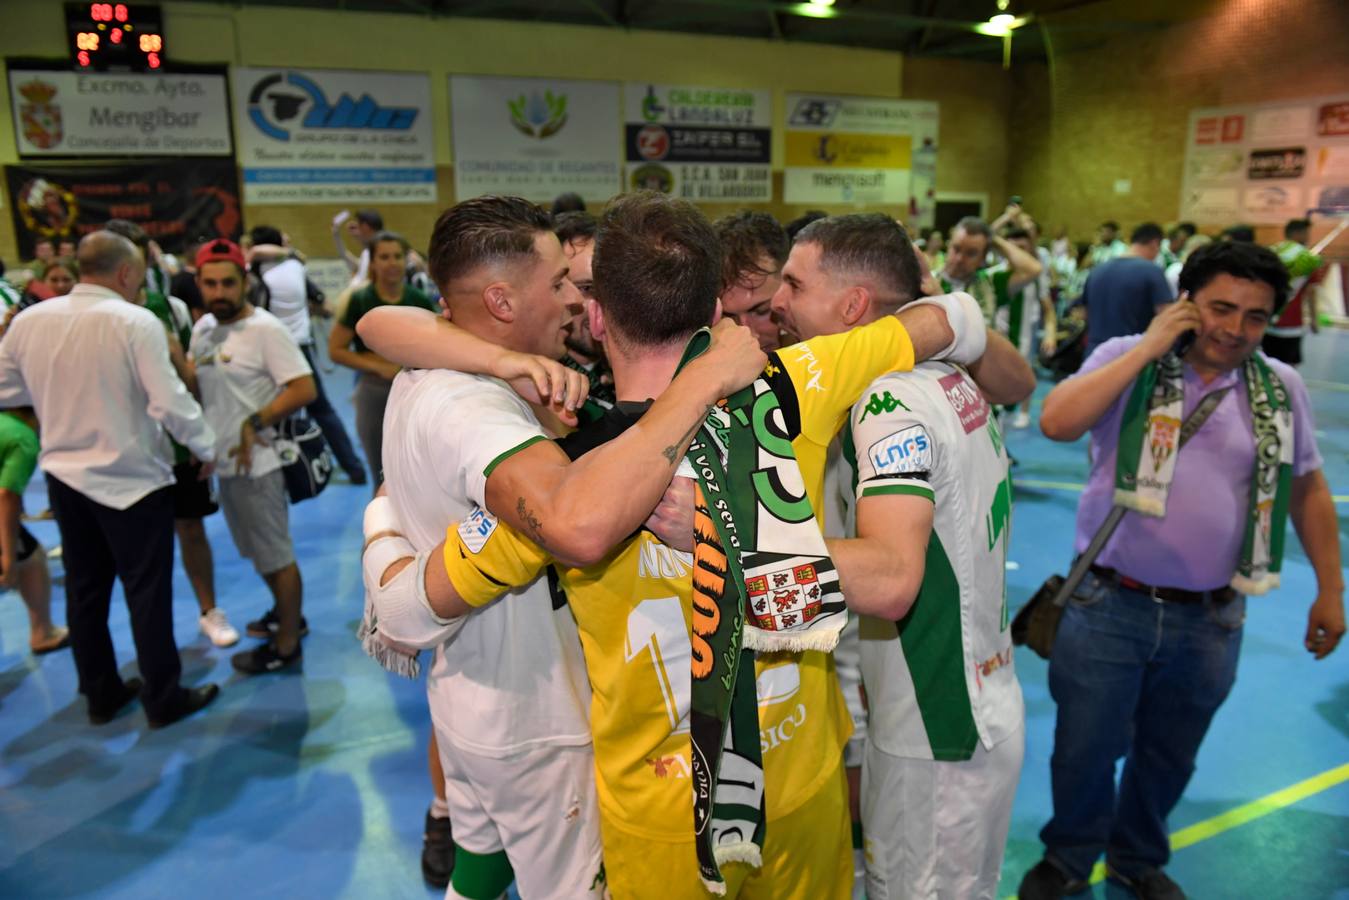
[[1183, 344]]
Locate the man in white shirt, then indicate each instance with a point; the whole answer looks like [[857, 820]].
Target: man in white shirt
[[363, 226], [95, 366], [252, 376], [288, 299]]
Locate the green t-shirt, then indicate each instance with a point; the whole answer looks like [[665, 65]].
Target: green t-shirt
[[366, 299], [159, 304], [18, 454]]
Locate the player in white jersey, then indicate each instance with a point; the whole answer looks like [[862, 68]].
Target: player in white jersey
[[507, 688], [926, 475]]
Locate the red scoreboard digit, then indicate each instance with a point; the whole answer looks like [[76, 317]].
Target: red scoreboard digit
[[122, 36]]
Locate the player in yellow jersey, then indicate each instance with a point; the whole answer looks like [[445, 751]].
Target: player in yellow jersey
[[656, 276]]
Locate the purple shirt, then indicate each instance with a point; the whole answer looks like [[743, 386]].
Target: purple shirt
[[1197, 544]]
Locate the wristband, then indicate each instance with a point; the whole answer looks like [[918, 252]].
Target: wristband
[[966, 319], [380, 517]]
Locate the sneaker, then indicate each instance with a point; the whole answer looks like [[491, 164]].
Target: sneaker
[[1021, 419], [264, 658], [437, 852], [193, 700], [218, 628], [1151, 885], [1046, 881], [267, 624]]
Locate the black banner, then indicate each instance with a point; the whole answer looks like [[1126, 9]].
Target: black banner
[[699, 144], [173, 200]]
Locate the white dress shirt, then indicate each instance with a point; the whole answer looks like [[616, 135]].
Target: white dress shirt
[[96, 369]]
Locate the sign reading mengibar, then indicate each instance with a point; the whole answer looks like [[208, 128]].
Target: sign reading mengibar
[[103, 114]]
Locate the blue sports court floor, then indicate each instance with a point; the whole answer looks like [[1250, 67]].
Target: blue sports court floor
[[314, 784]]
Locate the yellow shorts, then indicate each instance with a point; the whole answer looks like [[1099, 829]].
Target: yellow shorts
[[808, 856]]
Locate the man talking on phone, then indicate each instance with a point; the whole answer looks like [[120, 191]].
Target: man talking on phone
[[1147, 648]]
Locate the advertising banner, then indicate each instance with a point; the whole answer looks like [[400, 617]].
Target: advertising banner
[[173, 200], [535, 137], [1264, 164], [700, 144], [105, 114], [862, 150], [334, 137]]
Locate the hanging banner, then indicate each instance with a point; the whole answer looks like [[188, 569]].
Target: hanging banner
[[173, 200], [105, 114], [700, 144], [535, 137], [1264, 164], [334, 137], [862, 150]]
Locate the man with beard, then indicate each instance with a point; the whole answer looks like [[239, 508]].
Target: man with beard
[[252, 376]]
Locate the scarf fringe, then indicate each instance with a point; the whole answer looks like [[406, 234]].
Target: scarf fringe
[[746, 852], [790, 641], [392, 660], [1255, 586], [1148, 506]]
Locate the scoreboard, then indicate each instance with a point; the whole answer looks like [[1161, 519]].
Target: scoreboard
[[126, 36]]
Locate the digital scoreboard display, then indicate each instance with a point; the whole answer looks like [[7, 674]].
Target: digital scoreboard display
[[125, 36]]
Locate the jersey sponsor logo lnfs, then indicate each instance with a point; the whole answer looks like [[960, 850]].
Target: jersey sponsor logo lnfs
[[477, 528], [909, 450]]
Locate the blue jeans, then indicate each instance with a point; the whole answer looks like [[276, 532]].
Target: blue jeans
[[1138, 679]]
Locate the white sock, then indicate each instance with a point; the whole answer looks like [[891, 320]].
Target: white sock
[[439, 809]]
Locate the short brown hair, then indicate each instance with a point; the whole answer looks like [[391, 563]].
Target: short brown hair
[[746, 238], [871, 244], [657, 268], [483, 230]]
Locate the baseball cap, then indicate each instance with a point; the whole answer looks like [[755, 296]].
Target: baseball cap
[[221, 250]]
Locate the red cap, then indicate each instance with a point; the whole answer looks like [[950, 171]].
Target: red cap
[[221, 250]]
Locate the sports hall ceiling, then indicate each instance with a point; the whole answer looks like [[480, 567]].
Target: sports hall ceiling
[[916, 27]]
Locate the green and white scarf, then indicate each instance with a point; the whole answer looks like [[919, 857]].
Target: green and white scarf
[[1150, 438], [763, 580]]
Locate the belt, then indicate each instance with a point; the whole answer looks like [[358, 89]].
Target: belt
[[1219, 596]]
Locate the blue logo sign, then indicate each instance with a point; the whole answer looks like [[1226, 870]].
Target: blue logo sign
[[279, 104]]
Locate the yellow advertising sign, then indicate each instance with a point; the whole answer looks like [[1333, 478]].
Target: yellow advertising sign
[[817, 149]]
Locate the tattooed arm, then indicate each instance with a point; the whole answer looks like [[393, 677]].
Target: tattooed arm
[[580, 510]]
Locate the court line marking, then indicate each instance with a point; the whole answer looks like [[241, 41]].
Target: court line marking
[[1078, 488], [1325, 385], [1247, 812]]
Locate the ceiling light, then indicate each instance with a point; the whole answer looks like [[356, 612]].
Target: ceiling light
[[817, 9]]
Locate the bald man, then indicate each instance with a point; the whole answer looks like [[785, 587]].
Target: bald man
[[95, 367]]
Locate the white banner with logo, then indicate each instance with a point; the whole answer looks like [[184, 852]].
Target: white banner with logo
[[103, 114], [700, 144], [862, 150], [334, 137], [535, 137], [1266, 163]]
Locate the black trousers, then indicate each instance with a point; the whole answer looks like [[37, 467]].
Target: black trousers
[[100, 543], [328, 421]]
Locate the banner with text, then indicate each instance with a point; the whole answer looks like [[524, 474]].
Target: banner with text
[[1268, 163], [701, 144], [104, 114], [535, 137], [862, 150], [173, 200], [334, 137]]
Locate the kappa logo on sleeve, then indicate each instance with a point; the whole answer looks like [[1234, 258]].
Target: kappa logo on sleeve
[[904, 451], [477, 528]]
